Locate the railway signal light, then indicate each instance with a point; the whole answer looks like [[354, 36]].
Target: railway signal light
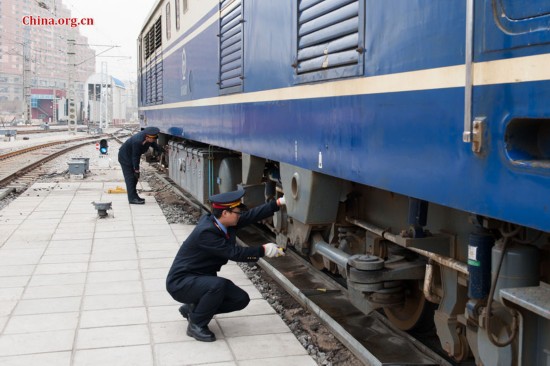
[[103, 147]]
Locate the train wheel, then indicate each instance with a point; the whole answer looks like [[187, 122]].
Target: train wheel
[[317, 262], [415, 312]]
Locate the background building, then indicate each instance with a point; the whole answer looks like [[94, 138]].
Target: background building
[[35, 57], [114, 98], [48, 105]]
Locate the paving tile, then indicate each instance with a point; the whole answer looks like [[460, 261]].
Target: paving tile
[[152, 254], [114, 276], [41, 322], [41, 359], [115, 301], [156, 246], [45, 292], [6, 307], [47, 306], [167, 313], [159, 298], [113, 256], [46, 215], [69, 247], [25, 244], [68, 250], [10, 294], [108, 288], [21, 344], [112, 336], [16, 281], [162, 239], [113, 225], [113, 317], [156, 284], [265, 346], [6, 271], [12, 257], [114, 234], [77, 227], [169, 332], [43, 223], [253, 325], [156, 262], [72, 234], [65, 258], [57, 268], [114, 248], [79, 218], [58, 279], [7, 231], [278, 361], [31, 235], [151, 273], [255, 307], [116, 356], [109, 241], [251, 290], [192, 352], [112, 266]]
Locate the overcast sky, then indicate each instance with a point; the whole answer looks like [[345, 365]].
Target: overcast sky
[[116, 22]]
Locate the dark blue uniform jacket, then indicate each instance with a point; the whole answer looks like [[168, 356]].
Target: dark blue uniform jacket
[[131, 150], [207, 248]]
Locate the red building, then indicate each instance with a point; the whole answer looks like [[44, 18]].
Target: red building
[[48, 105]]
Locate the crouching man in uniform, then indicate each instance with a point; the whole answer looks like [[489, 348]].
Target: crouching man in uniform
[[129, 156], [192, 279]]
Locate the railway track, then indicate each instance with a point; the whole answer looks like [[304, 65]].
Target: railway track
[[21, 164], [371, 338]]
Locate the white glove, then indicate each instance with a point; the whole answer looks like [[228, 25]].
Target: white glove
[[272, 250], [281, 201]]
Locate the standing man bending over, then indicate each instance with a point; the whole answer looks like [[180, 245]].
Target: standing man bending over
[[129, 156], [193, 278]]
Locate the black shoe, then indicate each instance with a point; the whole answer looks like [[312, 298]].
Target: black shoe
[[135, 201], [140, 199], [202, 334], [185, 309]]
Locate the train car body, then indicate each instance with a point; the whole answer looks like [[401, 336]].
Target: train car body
[[411, 139]]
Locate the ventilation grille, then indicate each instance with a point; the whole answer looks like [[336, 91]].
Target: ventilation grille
[[153, 39], [328, 35], [231, 46]]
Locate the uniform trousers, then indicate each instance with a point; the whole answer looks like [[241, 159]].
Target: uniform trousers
[[211, 295], [130, 180]]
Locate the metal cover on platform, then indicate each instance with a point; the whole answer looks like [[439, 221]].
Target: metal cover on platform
[[77, 167]]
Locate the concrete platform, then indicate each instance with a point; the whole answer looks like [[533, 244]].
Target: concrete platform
[[79, 290]]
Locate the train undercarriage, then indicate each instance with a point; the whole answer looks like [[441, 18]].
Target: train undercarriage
[[423, 264]]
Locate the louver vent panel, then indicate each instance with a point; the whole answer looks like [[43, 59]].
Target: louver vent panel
[[231, 46], [328, 35]]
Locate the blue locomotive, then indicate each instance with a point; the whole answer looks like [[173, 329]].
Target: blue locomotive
[[410, 138]]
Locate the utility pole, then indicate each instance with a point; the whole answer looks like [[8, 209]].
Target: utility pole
[[71, 93], [54, 107], [27, 74], [104, 98]]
